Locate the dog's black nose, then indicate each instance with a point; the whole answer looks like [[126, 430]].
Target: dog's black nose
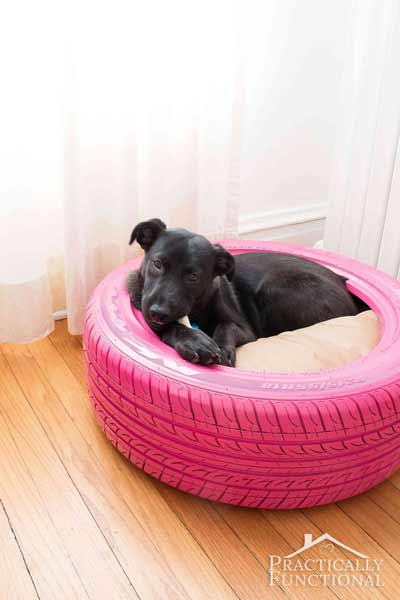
[[157, 315]]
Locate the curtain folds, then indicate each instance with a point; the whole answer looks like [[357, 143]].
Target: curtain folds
[[365, 198], [115, 112], [126, 111]]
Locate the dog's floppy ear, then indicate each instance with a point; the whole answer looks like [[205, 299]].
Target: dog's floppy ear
[[146, 232], [224, 262]]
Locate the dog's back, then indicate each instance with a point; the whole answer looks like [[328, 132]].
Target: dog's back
[[281, 292]]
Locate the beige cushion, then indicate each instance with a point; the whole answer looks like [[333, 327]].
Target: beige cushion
[[326, 345]]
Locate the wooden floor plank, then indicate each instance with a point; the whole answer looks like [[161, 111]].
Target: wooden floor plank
[[239, 566], [15, 581], [345, 527], [110, 485], [387, 497], [263, 540], [375, 521], [395, 479], [134, 548], [70, 348], [293, 524], [48, 561], [44, 484]]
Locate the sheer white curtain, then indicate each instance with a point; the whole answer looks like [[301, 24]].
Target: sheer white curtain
[[365, 200], [114, 112]]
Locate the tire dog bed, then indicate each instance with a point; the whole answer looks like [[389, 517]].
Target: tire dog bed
[[265, 440]]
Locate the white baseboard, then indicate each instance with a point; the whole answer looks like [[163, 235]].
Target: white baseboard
[[271, 219], [299, 225], [305, 234], [59, 315]]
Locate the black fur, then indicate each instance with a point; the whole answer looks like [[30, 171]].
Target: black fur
[[234, 300]]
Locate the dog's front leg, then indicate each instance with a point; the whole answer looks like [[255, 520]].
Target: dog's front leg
[[192, 344], [134, 285], [229, 336]]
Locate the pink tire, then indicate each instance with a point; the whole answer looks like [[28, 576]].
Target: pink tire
[[265, 440]]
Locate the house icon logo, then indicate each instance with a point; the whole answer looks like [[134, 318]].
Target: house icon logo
[[324, 561], [310, 543]]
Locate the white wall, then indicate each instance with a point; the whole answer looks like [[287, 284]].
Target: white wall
[[293, 68]]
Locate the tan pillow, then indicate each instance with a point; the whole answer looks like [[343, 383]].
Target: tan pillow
[[326, 345]]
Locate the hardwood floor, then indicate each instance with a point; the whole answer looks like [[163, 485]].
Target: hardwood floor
[[77, 520]]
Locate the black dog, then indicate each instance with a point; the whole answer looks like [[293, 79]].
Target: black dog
[[234, 300]]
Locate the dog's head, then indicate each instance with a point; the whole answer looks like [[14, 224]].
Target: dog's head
[[178, 270]]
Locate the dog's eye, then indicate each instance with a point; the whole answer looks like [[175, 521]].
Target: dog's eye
[[193, 277], [158, 264]]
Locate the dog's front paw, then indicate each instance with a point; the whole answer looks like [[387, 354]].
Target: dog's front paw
[[228, 356], [199, 348]]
